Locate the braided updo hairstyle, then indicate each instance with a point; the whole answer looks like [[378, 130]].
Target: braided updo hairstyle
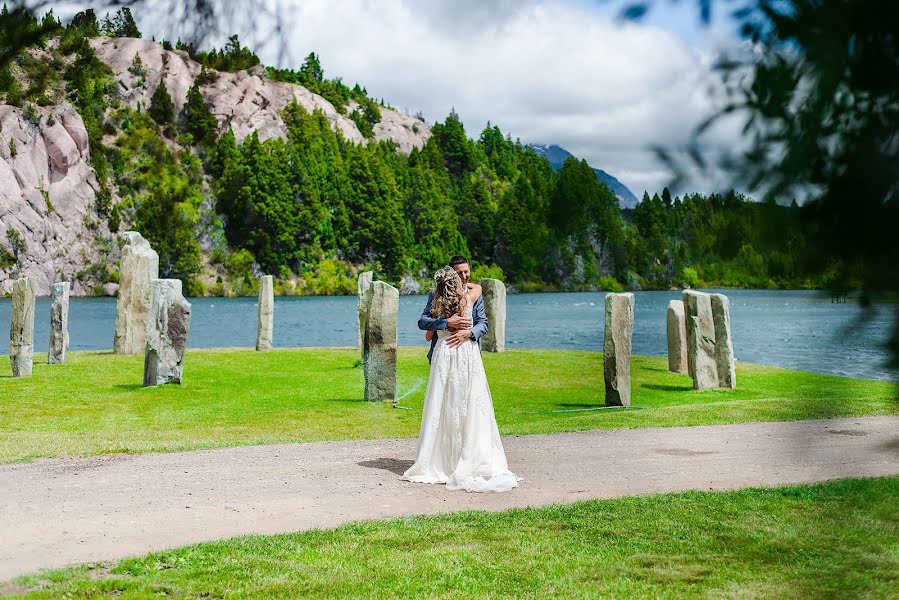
[[449, 293]]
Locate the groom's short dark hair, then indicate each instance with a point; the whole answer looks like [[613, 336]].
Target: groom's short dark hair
[[457, 260]]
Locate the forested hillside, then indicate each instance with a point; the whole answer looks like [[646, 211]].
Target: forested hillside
[[332, 184]]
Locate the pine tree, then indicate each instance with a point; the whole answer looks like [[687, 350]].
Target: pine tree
[[454, 145], [162, 109], [311, 72], [138, 69], [196, 118], [121, 24]]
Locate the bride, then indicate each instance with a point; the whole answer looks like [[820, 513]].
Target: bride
[[459, 443]]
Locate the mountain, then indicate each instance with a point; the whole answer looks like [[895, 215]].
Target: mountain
[[556, 156], [51, 225]]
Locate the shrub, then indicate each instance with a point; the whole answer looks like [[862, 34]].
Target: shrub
[[610, 284], [491, 271], [690, 277]]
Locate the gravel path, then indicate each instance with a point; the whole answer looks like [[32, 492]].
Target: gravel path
[[64, 511]]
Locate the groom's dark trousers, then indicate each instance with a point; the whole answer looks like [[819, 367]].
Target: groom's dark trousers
[[479, 324]]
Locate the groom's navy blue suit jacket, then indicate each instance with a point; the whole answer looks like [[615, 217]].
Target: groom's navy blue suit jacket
[[479, 324]]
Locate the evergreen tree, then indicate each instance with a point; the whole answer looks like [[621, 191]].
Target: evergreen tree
[[162, 109], [121, 24], [454, 145], [196, 118], [311, 71]]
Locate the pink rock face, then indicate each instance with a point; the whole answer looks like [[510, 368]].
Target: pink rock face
[[245, 100], [61, 148], [47, 197], [75, 126]]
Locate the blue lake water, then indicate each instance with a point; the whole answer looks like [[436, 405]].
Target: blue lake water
[[794, 329]]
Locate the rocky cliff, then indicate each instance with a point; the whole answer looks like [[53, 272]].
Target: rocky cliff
[[49, 226], [245, 100]]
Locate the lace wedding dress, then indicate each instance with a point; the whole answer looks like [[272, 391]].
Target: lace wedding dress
[[459, 443]]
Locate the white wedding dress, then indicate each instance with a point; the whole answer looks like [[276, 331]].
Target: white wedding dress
[[459, 443]]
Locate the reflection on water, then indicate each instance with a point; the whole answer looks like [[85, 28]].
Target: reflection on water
[[794, 329]]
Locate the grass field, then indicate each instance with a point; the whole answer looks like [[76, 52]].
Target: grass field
[[95, 404], [831, 540]]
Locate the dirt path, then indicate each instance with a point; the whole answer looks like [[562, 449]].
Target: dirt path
[[64, 511]]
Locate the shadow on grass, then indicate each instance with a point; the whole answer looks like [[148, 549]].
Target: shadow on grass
[[130, 387], [394, 465], [667, 388], [579, 404]]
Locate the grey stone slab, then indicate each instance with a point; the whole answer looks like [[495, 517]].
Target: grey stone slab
[[616, 358], [21, 326], [138, 267], [168, 326], [379, 342], [59, 323], [677, 338], [266, 313], [494, 292]]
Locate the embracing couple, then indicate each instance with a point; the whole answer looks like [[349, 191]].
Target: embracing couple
[[459, 443]]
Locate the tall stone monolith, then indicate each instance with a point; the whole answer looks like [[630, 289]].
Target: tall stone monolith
[[494, 292], [382, 303], [168, 325], [138, 267], [266, 313], [724, 345], [616, 358], [362, 285], [677, 338], [59, 323], [21, 326], [701, 339]]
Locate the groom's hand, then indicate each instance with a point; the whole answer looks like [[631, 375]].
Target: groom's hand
[[458, 338], [458, 322]]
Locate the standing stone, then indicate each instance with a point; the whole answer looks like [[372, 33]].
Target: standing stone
[[59, 323], [266, 313], [701, 339], [362, 285], [494, 292], [379, 342], [677, 338], [139, 266], [168, 324], [616, 358], [21, 326], [724, 345]]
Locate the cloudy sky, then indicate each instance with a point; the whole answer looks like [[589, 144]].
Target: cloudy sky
[[564, 72]]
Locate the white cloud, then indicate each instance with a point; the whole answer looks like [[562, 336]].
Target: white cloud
[[545, 73]]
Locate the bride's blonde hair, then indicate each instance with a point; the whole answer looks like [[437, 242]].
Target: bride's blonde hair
[[449, 293]]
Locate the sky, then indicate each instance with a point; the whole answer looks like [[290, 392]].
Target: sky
[[566, 72]]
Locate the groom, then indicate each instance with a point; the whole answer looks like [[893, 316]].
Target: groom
[[462, 328]]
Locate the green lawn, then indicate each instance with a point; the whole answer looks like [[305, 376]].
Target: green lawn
[[96, 405], [831, 540]]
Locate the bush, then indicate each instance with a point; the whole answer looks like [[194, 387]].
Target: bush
[[491, 271], [610, 284], [332, 277], [690, 277]]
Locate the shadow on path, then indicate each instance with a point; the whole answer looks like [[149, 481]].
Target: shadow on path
[[394, 465]]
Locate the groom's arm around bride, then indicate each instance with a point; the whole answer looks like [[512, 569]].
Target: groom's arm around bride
[[477, 325]]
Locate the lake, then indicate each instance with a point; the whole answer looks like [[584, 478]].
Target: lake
[[794, 329]]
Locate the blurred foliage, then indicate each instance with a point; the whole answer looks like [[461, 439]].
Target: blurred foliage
[[817, 87]]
